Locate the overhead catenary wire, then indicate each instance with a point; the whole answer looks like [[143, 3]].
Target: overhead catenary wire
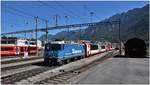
[[25, 13], [31, 16], [65, 26], [49, 6], [12, 24], [89, 11], [56, 9], [18, 14], [19, 11], [77, 16], [69, 11], [85, 11]]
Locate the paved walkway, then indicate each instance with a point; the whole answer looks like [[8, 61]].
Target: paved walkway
[[119, 71]]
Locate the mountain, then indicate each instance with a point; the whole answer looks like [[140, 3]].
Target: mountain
[[43, 37], [134, 23]]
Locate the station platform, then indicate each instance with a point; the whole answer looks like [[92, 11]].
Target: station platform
[[118, 70]]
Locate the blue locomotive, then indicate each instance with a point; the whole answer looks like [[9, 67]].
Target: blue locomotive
[[56, 53], [60, 53]]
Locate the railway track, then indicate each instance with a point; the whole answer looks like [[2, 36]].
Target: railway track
[[19, 64], [14, 56], [7, 57], [66, 77], [11, 79], [18, 60], [17, 70], [15, 77]]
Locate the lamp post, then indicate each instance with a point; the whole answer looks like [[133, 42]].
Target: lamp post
[[46, 21], [66, 17], [91, 13], [36, 22], [119, 37]]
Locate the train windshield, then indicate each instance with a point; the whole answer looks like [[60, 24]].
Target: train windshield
[[52, 47]]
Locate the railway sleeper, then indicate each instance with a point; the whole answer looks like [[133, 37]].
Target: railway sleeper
[[61, 70], [76, 72], [17, 77], [64, 77], [67, 76], [61, 78], [58, 79], [52, 82]]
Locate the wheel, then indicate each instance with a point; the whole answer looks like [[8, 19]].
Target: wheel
[[76, 58], [79, 57], [82, 57], [72, 59], [66, 61], [46, 62], [54, 62], [60, 62]]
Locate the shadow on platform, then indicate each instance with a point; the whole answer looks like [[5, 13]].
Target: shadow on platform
[[123, 56], [39, 64]]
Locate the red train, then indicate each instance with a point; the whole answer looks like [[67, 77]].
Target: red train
[[15, 46], [17, 50], [8, 50], [92, 49]]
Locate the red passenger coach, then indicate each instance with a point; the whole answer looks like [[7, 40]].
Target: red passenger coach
[[21, 49], [108, 47], [87, 49], [15, 46], [8, 50], [91, 49], [32, 49], [94, 49]]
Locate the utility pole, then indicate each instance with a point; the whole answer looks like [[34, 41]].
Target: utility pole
[[80, 34], [66, 17], [56, 19], [91, 16], [32, 34], [46, 30], [36, 22], [119, 37], [25, 35], [12, 35]]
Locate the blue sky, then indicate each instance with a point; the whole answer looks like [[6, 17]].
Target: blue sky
[[78, 12]]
